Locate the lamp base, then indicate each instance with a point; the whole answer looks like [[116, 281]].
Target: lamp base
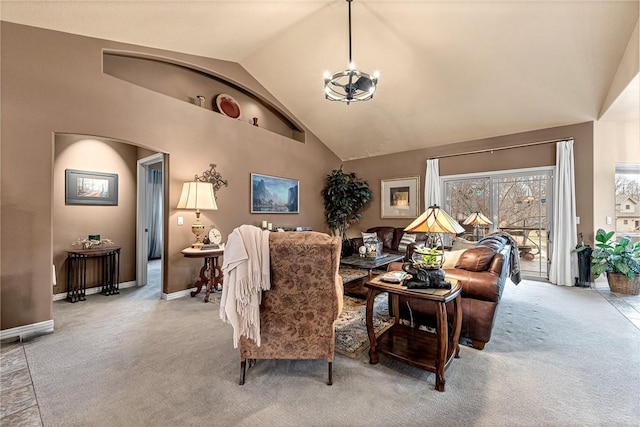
[[425, 277]]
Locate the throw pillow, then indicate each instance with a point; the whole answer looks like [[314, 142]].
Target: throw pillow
[[460, 243], [451, 258], [406, 240], [476, 259], [366, 236]]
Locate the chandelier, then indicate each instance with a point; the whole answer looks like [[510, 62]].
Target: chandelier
[[350, 85]]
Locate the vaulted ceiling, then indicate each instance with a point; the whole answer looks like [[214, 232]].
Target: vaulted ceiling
[[450, 71]]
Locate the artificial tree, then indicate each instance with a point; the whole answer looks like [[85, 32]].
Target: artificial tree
[[345, 195]]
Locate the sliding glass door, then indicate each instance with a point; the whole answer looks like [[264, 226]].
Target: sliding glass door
[[517, 202]]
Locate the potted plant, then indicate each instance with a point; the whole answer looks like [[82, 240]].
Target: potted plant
[[345, 195], [620, 260]]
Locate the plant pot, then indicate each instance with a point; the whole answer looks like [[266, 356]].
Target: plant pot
[[619, 283]]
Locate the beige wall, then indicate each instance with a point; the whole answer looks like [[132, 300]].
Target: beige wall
[[71, 222], [413, 163], [613, 142], [52, 83]]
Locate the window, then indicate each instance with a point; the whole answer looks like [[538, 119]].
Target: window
[[627, 198]]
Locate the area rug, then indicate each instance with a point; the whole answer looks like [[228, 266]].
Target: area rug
[[351, 328]]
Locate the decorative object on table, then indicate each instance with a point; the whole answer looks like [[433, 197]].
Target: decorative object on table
[[619, 260], [350, 85], [254, 121], [228, 106], [90, 188], [400, 197], [345, 195], [394, 276], [271, 194], [213, 239], [93, 242], [201, 100], [477, 219], [199, 196], [373, 247], [362, 250], [426, 264]]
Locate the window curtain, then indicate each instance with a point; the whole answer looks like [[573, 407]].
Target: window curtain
[[564, 268], [154, 202], [432, 184]]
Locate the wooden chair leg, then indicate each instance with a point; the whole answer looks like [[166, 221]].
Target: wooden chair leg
[[330, 382], [243, 369]]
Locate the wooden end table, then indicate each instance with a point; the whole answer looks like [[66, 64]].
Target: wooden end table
[[418, 348], [210, 273]]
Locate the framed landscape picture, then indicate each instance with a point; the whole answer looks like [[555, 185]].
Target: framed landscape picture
[[400, 197], [90, 188], [271, 194]]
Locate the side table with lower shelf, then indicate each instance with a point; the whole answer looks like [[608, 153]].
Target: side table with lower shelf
[[421, 349]]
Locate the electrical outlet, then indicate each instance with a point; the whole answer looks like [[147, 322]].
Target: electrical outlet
[[577, 220], [180, 220], [608, 220]]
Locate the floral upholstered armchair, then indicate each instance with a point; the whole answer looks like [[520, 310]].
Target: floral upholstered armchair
[[298, 313]]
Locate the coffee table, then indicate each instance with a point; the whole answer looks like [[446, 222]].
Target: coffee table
[[422, 349], [370, 263]]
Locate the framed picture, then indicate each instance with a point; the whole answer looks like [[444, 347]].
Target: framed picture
[[90, 188], [400, 197], [271, 194]]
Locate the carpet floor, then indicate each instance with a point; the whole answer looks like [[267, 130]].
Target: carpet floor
[[558, 356]]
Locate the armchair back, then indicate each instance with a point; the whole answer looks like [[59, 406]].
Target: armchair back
[[298, 313]]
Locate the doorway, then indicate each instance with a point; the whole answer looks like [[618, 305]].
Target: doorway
[[518, 202], [149, 225]]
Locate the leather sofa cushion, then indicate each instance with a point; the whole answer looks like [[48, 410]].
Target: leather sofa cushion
[[480, 285], [476, 259]]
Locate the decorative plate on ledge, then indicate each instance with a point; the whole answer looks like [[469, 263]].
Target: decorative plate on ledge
[[228, 106]]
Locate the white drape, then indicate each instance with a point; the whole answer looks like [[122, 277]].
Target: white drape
[[564, 264], [154, 201], [432, 184]]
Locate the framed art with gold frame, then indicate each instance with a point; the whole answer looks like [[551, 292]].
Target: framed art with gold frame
[[400, 197]]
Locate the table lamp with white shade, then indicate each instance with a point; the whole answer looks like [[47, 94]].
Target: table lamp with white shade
[[199, 196]]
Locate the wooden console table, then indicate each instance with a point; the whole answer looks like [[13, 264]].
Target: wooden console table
[[422, 349], [210, 273], [109, 264]]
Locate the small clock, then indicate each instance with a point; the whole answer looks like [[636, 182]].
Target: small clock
[[215, 236]]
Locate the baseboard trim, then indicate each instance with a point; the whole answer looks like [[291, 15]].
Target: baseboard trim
[[95, 290], [28, 331], [174, 295]]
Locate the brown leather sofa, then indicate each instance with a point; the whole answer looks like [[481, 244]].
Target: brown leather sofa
[[483, 271], [390, 238]]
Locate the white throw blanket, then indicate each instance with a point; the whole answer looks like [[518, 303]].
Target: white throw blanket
[[246, 271]]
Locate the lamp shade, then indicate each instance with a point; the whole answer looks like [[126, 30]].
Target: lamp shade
[[435, 220], [197, 195], [477, 218]]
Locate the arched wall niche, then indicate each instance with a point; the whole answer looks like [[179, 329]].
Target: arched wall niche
[[186, 82]]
